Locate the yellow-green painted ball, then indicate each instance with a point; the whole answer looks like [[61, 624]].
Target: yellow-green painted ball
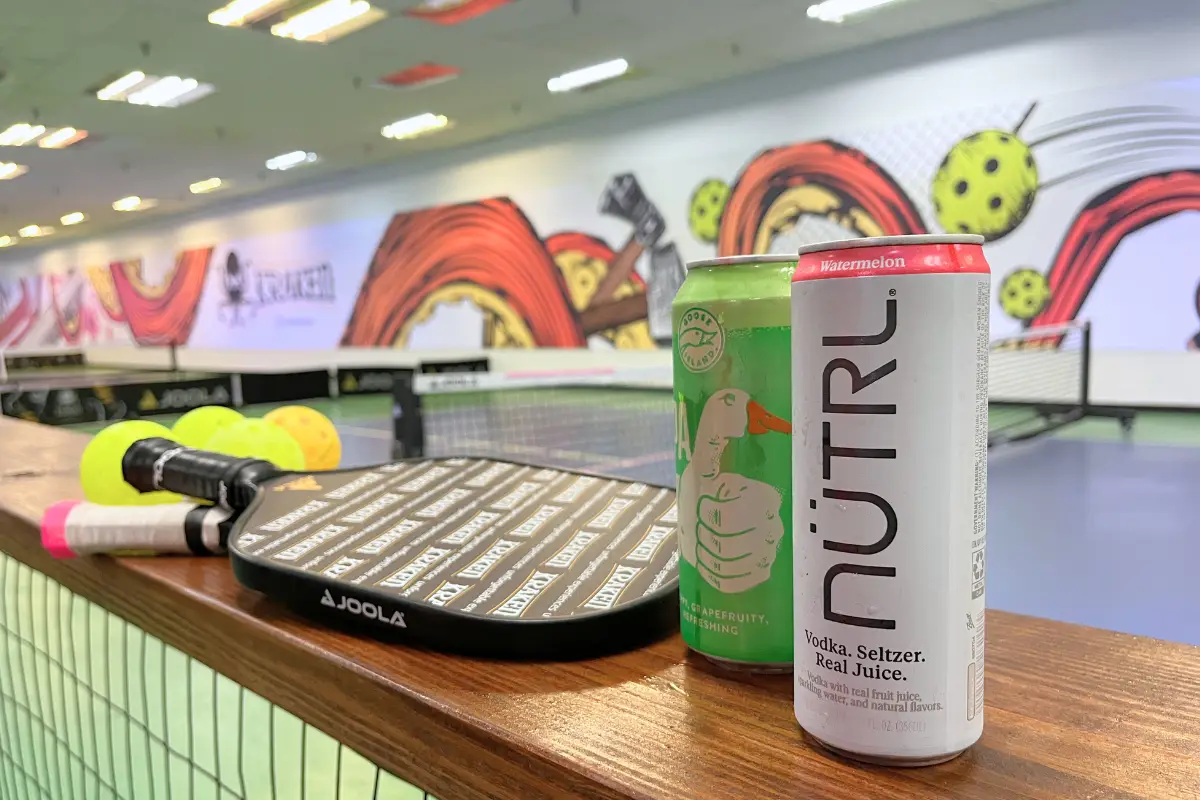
[[986, 185], [707, 205], [1024, 293]]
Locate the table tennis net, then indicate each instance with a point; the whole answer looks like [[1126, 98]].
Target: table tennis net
[[616, 422], [622, 422], [1037, 381]]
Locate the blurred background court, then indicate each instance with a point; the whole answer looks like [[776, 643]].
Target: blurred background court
[[1064, 471]]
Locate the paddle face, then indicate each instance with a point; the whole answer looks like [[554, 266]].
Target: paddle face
[[469, 555]]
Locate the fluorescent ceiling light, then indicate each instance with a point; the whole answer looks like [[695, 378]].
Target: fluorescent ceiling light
[[205, 186], [63, 137], [117, 89], [20, 134], [9, 170], [23, 134], [7, 241], [141, 89], [134, 203], [838, 10], [34, 231], [164, 92], [415, 126], [292, 159], [240, 12], [588, 75], [328, 21], [74, 218]]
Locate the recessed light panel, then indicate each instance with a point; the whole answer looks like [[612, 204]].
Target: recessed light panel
[[74, 218], [59, 138], [597, 73], [327, 21], [412, 127], [240, 13], [290, 160], [9, 170], [141, 89], [838, 10], [34, 231], [20, 134], [23, 134], [134, 203], [207, 185]]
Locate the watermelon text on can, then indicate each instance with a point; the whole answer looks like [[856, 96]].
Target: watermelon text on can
[[732, 353], [889, 354]]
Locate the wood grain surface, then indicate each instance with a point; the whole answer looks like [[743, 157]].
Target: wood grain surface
[[1072, 712]]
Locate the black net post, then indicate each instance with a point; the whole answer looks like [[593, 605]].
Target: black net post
[[408, 427]]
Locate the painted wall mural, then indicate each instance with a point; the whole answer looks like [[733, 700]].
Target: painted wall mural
[[988, 183], [1090, 206], [111, 304], [533, 291]]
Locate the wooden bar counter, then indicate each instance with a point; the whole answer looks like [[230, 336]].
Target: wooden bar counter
[[1071, 711]]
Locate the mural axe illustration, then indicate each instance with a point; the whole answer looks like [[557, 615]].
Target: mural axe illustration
[[624, 199]]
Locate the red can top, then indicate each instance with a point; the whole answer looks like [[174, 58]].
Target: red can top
[[891, 255]]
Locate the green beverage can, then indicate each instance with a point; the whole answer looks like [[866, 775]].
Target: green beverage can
[[731, 326]]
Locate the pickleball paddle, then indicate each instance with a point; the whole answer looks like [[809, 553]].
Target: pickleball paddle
[[467, 555]]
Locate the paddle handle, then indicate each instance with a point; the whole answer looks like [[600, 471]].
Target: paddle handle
[[162, 465]]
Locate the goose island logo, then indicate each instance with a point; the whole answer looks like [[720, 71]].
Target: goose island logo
[[701, 341]]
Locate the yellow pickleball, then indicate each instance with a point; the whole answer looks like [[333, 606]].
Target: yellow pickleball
[[257, 438], [100, 467], [197, 426], [317, 436]]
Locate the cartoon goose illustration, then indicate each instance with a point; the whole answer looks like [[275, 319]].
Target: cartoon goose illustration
[[729, 525]]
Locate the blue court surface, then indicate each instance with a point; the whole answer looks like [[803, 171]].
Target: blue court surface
[[1099, 533]]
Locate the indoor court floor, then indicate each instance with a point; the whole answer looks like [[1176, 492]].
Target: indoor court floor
[[1086, 525]]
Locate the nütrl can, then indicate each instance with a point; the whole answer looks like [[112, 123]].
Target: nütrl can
[[732, 353], [889, 369]]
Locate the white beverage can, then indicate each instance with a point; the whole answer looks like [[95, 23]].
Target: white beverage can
[[889, 393]]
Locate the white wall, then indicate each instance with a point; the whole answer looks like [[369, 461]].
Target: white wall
[[1067, 47]]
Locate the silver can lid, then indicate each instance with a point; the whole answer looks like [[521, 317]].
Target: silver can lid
[[892, 241], [731, 261]]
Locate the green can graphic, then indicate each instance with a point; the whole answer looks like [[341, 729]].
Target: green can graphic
[[733, 454]]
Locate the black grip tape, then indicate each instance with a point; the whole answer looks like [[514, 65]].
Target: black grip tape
[[160, 464]]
